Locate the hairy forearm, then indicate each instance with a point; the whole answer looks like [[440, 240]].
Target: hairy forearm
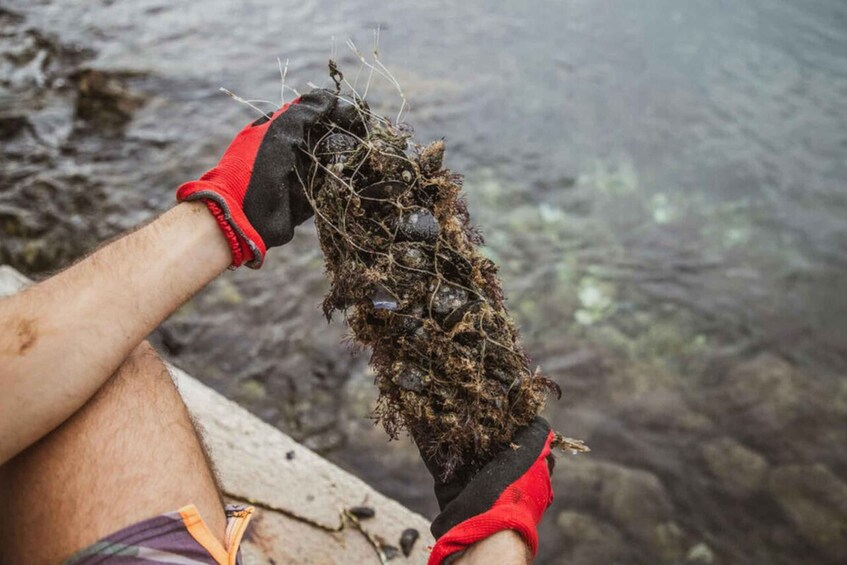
[[505, 547], [62, 338]]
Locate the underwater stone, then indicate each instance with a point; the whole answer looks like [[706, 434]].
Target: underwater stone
[[448, 298], [418, 225]]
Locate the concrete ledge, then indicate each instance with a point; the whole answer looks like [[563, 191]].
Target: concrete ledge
[[257, 462]]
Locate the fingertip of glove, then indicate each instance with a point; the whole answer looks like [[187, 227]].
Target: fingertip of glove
[[348, 116], [319, 99]]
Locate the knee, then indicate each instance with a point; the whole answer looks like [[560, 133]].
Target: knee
[[141, 369], [144, 353]]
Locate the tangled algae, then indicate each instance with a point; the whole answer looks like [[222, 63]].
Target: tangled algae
[[403, 262]]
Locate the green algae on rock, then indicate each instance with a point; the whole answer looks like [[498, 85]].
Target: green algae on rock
[[403, 262]]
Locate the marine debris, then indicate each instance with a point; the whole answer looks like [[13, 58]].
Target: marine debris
[[404, 265]]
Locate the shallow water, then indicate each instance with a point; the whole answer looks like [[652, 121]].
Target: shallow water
[[663, 186]]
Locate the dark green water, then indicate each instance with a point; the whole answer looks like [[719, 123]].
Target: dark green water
[[664, 185]]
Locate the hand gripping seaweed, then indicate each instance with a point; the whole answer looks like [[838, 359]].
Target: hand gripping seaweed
[[403, 262]]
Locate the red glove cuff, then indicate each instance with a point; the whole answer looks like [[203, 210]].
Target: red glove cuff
[[519, 508], [244, 241]]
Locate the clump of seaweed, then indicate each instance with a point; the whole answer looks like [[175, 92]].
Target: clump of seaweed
[[404, 265]]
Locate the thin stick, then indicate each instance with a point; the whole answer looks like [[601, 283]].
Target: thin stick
[[243, 101], [282, 73]]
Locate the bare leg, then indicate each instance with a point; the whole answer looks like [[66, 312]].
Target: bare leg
[[130, 453]]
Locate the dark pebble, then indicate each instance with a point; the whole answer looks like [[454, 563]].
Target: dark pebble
[[289, 455], [408, 539], [362, 512], [389, 551]]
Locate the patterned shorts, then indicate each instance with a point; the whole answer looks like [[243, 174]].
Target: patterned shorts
[[179, 538]]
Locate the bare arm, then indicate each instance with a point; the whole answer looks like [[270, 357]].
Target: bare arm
[[505, 547], [62, 338]]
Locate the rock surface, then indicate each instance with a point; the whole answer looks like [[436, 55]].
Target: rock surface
[[815, 501], [739, 469]]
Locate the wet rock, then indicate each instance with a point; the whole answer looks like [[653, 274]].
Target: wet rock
[[814, 501], [589, 540], [10, 126], [669, 542], [252, 391], [701, 554], [418, 224], [739, 470], [635, 500], [43, 220], [104, 101], [648, 402], [759, 399]]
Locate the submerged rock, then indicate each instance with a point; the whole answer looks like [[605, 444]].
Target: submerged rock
[[740, 470], [814, 501], [634, 499], [590, 540], [104, 101]]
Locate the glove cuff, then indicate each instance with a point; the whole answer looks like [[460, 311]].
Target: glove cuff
[[519, 507], [244, 241], [478, 528]]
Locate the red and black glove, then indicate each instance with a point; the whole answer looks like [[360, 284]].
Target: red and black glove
[[256, 190], [509, 493]]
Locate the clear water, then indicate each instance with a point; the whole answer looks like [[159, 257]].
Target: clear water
[[662, 183]]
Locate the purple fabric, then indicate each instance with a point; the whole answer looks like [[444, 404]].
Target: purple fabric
[[161, 539]]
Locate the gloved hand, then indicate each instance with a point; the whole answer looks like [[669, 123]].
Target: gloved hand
[[509, 493], [255, 191]]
